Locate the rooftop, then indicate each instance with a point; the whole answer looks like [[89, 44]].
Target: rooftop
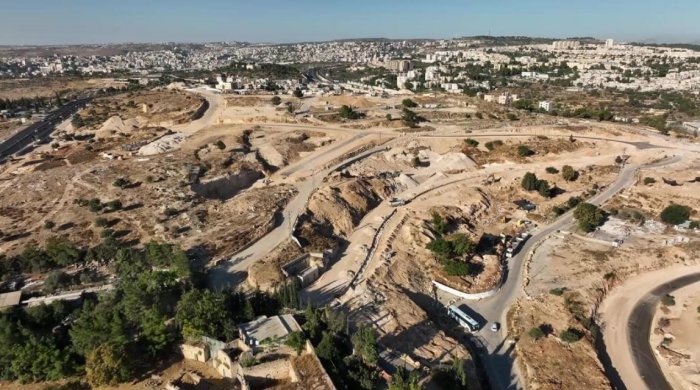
[[264, 327], [10, 299]]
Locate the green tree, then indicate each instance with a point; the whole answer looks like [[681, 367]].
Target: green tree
[[364, 342], [571, 335], [107, 365], [276, 100], [62, 251], [298, 93], [552, 170], [40, 359], [409, 118], [346, 112], [462, 245], [438, 223], [203, 313], [543, 188], [675, 214], [529, 182], [326, 349], [589, 216], [220, 145], [154, 331], [405, 380], [96, 325], [569, 173]]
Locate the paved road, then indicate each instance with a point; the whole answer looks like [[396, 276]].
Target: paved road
[[499, 362], [39, 130], [639, 330]]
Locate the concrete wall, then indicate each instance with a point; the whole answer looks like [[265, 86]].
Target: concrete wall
[[463, 295]]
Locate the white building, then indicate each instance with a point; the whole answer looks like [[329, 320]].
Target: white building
[[609, 43], [546, 105]]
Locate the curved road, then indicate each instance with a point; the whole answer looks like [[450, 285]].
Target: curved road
[[499, 362], [640, 321]]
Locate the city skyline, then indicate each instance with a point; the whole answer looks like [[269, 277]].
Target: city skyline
[[82, 22]]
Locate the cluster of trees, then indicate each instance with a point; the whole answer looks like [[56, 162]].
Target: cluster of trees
[[450, 251], [350, 359], [530, 182], [118, 333], [568, 205], [525, 151], [35, 104]]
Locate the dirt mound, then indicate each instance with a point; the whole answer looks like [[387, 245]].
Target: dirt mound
[[336, 209], [116, 125]]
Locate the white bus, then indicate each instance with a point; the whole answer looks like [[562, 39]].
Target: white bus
[[462, 318]]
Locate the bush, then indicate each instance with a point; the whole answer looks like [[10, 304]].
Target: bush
[[49, 224], [296, 341], [220, 144], [492, 145], [95, 205], [675, 214], [649, 180], [571, 335], [101, 222], [276, 100], [121, 182], [536, 333], [569, 173], [552, 170], [525, 151], [559, 291], [543, 188], [511, 116], [409, 103], [668, 300], [471, 142], [479, 115]]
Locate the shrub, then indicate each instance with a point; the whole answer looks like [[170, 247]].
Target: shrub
[[559, 291], [511, 116], [668, 300], [569, 173], [388, 117], [409, 103], [649, 180], [525, 151], [536, 333], [101, 222], [675, 214], [95, 205], [543, 188], [471, 142], [276, 100], [491, 145], [571, 335], [552, 170], [220, 144], [479, 115], [49, 224], [121, 182]]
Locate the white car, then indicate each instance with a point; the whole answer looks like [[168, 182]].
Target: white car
[[495, 326]]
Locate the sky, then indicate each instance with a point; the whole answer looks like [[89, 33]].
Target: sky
[[114, 21]]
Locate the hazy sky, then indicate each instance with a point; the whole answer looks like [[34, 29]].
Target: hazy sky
[[100, 21]]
